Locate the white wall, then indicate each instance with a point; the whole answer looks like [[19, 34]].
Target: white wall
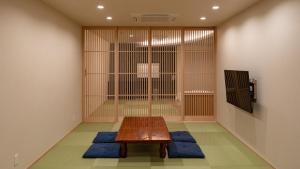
[[40, 79], [265, 40]]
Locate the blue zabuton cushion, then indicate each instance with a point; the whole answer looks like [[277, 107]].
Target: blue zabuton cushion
[[103, 150], [184, 150], [105, 137], [182, 136]]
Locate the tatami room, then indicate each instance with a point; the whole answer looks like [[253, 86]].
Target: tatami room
[[206, 84]]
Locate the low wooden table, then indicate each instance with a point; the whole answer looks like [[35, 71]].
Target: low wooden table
[[148, 130]]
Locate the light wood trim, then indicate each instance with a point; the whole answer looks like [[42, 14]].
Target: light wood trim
[[149, 27], [199, 118], [103, 119]]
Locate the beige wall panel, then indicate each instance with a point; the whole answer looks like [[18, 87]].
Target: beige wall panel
[[40, 70], [264, 40]]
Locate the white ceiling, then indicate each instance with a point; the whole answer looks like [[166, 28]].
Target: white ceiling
[[188, 12]]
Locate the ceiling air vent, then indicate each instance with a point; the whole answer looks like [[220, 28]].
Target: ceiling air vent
[[146, 18]]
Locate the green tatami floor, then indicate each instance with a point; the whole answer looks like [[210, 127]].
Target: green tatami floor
[[222, 150]]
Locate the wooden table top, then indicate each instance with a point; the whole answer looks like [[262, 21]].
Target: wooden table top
[[144, 130]]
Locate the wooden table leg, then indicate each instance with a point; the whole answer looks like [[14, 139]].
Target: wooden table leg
[[123, 150], [162, 150]]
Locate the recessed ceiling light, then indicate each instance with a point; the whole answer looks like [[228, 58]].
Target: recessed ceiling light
[[109, 18], [215, 7], [203, 18], [100, 7]]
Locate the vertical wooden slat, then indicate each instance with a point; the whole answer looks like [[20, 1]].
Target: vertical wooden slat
[[83, 74], [182, 68], [98, 72], [149, 72], [116, 75]]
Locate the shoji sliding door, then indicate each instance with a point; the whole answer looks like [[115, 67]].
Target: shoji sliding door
[[199, 74], [148, 71], [99, 75], [166, 53], [133, 72]]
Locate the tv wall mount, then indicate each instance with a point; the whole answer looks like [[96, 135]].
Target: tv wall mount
[[252, 90]]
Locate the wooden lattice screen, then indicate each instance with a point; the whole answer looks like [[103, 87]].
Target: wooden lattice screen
[[148, 71], [199, 74]]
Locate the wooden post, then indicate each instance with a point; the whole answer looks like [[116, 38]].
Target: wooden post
[[116, 74]]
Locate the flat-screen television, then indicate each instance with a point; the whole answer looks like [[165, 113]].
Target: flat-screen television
[[238, 89]]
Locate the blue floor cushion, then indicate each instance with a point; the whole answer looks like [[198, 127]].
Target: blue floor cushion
[[105, 137], [182, 136], [184, 150], [103, 150]]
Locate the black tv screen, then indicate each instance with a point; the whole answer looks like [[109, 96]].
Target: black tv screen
[[238, 89]]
